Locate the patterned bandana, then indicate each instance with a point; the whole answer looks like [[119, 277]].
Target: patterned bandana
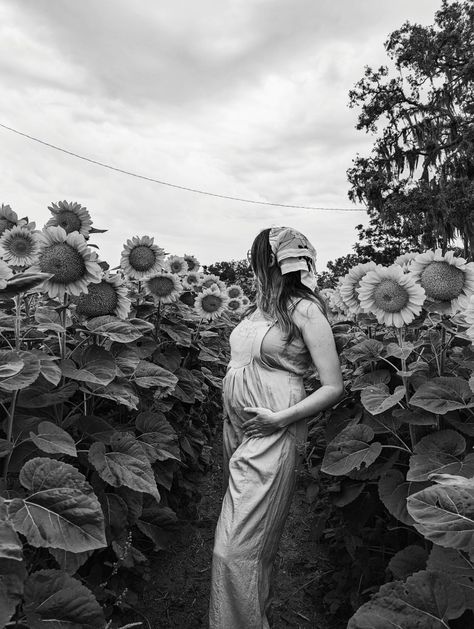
[[294, 252]]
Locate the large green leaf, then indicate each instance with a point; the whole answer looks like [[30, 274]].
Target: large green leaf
[[379, 376], [22, 282], [394, 491], [407, 561], [440, 453], [49, 320], [55, 600], [27, 374], [416, 417], [394, 349], [96, 366], [53, 439], [10, 544], [457, 566], [125, 464], [441, 395], [114, 329], [368, 350], [61, 512], [69, 562], [96, 428], [42, 394], [116, 516], [377, 398], [12, 577], [427, 600], [48, 367], [350, 450], [126, 359], [158, 439], [119, 391], [445, 515], [148, 375]]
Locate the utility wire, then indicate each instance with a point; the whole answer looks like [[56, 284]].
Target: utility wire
[[173, 185]]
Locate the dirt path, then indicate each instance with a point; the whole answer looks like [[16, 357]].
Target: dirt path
[[178, 593]]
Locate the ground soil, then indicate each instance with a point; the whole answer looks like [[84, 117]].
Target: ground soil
[[178, 592]]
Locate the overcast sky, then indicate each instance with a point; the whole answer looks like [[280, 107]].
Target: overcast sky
[[246, 98]]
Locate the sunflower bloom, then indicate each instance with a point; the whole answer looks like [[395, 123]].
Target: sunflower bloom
[[405, 260], [391, 295], [351, 282], [108, 297], [245, 301], [72, 217], [68, 258], [5, 274], [192, 262], [234, 291], [176, 264], [210, 304], [446, 278], [234, 305], [141, 258], [209, 281], [192, 280], [8, 218], [163, 287], [19, 246]]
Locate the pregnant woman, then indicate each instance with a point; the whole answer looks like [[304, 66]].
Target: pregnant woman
[[265, 414]]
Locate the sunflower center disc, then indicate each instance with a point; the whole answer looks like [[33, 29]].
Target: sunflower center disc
[[20, 246], [5, 224], [160, 286], [141, 258], [65, 262], [390, 296], [442, 281], [234, 292], [211, 303], [69, 221], [101, 300], [233, 304]]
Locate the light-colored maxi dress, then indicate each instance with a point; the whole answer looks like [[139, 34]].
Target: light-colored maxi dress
[[264, 372]]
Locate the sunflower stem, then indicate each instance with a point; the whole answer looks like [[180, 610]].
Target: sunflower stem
[[411, 427], [11, 415], [442, 357], [17, 322]]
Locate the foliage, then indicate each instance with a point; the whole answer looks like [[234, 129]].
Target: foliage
[[419, 174], [234, 272], [108, 419]]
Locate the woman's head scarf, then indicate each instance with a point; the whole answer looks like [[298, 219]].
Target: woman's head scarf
[[294, 252]]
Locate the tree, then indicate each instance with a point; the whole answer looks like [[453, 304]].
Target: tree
[[419, 176], [234, 272]]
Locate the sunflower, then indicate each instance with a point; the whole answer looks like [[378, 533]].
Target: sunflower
[[19, 246], [391, 295], [109, 297], [405, 260], [210, 281], [176, 264], [192, 262], [141, 258], [192, 280], [5, 274], [447, 279], [72, 217], [163, 287], [351, 282], [234, 291], [234, 304], [210, 303], [72, 263], [8, 218], [245, 301]]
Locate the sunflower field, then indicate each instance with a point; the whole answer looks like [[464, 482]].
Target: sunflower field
[[400, 444], [110, 390]]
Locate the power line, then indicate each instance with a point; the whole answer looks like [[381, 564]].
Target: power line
[[173, 185]]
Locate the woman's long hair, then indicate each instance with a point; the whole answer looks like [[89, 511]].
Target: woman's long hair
[[276, 292]]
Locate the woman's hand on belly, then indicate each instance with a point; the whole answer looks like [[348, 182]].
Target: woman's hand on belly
[[263, 423]]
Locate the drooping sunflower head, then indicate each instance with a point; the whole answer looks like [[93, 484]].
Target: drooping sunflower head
[[391, 295], [8, 218], [210, 304], [447, 279], [141, 258], [350, 284], [209, 281], [108, 297], [192, 263], [163, 287], [176, 264], [19, 246], [234, 291], [192, 280], [71, 262], [72, 217], [5, 274]]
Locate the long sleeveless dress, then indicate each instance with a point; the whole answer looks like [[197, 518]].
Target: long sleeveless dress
[[260, 471]]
